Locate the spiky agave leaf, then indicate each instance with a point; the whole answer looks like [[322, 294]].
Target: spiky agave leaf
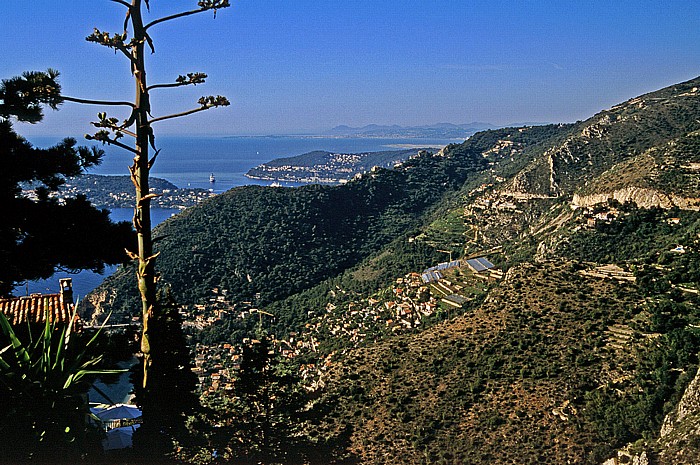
[[48, 368]]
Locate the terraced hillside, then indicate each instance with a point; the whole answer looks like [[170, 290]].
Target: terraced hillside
[[551, 368], [579, 343]]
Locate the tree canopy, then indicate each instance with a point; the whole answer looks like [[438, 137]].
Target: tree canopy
[[40, 233]]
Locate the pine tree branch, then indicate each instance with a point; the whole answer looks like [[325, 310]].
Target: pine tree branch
[[96, 102]]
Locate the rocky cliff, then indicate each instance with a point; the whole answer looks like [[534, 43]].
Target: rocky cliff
[[644, 198], [680, 434]]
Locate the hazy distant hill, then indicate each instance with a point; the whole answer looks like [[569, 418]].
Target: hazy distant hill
[[118, 192], [440, 130], [328, 167]]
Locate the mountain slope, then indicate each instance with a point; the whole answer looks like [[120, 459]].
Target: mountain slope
[[502, 384], [276, 242], [583, 347], [562, 363], [625, 131]]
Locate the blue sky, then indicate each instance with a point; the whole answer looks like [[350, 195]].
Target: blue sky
[[303, 66]]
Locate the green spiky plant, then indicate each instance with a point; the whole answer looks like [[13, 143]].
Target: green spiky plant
[[44, 382]]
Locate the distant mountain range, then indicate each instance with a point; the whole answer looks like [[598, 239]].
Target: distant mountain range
[[441, 130], [438, 130]]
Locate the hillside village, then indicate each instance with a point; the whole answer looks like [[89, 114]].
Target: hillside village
[[327, 167], [118, 192], [556, 329], [339, 167], [414, 302]]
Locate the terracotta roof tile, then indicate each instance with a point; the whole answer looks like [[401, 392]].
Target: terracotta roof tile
[[36, 308]]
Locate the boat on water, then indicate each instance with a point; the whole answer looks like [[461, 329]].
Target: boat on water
[[212, 178], [275, 184]]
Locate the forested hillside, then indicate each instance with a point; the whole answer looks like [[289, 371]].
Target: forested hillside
[[277, 241], [577, 340]]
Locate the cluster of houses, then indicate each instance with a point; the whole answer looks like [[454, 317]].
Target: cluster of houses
[[215, 366], [502, 148], [170, 198], [408, 304], [337, 168], [103, 197], [598, 215], [402, 307], [200, 316]]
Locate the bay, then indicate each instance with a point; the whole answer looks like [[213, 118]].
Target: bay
[[86, 280], [189, 161]]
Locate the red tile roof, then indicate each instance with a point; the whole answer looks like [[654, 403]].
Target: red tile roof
[[36, 308]]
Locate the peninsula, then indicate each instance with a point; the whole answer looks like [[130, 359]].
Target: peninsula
[[118, 192], [328, 167]]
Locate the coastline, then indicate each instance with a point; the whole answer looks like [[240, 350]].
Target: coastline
[[229, 158], [419, 146], [296, 180]]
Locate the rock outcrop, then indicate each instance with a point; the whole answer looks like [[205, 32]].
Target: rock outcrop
[[92, 307], [680, 433], [624, 457], [644, 198]]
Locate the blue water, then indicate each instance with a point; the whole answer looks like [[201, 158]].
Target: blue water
[[85, 281], [189, 161]]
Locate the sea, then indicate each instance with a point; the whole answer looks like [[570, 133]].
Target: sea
[[193, 161]]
